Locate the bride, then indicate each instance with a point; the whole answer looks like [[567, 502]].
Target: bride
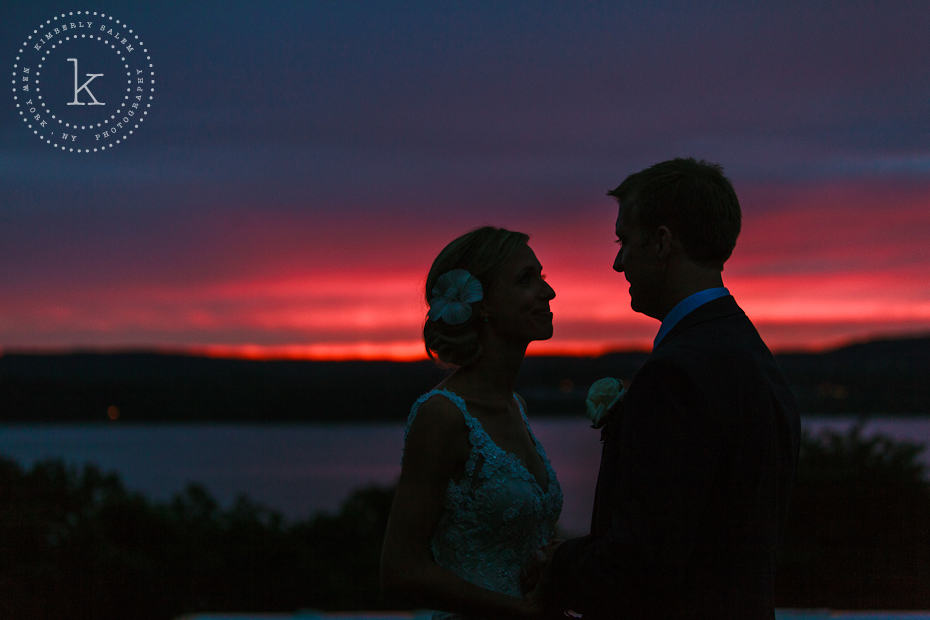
[[477, 500]]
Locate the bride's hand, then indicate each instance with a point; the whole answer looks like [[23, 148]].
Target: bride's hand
[[534, 609], [533, 572]]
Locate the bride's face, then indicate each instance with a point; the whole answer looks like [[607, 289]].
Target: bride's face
[[517, 303]]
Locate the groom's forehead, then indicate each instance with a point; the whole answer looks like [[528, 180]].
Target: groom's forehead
[[625, 215], [623, 218]]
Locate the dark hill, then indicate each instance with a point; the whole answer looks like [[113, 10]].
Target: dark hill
[[878, 377]]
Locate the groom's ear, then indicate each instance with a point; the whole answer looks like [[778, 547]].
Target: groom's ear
[[663, 240]]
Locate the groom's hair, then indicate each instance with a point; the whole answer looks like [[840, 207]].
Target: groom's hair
[[693, 199]]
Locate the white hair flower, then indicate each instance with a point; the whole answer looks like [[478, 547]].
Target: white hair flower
[[453, 295], [603, 395]]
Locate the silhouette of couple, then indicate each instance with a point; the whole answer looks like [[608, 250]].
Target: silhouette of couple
[[699, 453]]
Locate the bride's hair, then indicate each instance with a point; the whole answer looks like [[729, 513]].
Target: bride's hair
[[481, 252]]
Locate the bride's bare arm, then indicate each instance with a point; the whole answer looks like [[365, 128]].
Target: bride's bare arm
[[435, 452]]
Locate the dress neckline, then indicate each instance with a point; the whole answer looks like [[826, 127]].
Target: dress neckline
[[460, 402]]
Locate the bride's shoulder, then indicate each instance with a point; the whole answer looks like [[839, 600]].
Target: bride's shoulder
[[437, 415], [437, 431]]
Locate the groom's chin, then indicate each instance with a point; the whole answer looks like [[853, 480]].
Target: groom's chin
[[545, 334]]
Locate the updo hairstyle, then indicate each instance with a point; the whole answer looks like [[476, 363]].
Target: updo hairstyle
[[481, 252]]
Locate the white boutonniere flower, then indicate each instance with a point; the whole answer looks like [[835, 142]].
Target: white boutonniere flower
[[452, 296], [603, 395]]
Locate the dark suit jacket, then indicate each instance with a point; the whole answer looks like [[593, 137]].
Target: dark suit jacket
[[697, 465]]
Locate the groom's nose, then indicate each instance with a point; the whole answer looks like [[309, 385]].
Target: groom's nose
[[618, 264], [547, 292]]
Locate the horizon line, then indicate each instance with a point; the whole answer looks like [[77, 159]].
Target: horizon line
[[364, 352]]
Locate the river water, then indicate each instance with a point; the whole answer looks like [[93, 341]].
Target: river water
[[301, 469]]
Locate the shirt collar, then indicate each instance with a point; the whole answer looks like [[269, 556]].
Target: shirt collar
[[685, 307]]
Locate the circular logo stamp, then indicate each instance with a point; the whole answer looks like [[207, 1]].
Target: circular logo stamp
[[83, 81]]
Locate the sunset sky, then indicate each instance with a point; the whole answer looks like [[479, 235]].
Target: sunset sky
[[303, 163]]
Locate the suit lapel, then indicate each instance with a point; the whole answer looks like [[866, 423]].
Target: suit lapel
[[718, 308], [606, 473]]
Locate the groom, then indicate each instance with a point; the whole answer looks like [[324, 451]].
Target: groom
[[699, 457]]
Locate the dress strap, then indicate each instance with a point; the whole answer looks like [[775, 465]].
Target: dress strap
[[526, 421], [520, 406], [539, 447], [480, 441]]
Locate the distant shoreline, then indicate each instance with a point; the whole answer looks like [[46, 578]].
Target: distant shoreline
[[878, 378], [270, 424]]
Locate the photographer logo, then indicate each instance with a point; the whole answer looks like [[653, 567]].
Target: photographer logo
[[83, 81]]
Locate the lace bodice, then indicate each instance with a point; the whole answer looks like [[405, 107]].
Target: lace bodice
[[497, 516]]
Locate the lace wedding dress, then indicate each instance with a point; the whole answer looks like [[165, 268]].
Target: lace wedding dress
[[497, 516]]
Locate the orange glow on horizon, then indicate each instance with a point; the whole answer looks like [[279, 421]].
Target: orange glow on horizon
[[413, 351], [395, 352]]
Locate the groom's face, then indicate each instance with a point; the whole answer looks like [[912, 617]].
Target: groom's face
[[636, 263]]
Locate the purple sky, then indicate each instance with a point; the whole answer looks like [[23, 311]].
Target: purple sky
[[303, 163]]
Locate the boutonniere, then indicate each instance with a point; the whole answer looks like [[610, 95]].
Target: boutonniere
[[603, 395]]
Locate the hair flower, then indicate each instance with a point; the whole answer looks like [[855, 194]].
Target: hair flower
[[453, 295], [603, 395]]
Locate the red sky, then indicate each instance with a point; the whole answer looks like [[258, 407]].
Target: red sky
[[289, 189], [833, 262]]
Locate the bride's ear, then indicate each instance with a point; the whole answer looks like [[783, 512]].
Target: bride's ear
[[481, 312]]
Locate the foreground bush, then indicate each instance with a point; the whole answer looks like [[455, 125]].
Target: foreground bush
[[76, 544], [858, 535]]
